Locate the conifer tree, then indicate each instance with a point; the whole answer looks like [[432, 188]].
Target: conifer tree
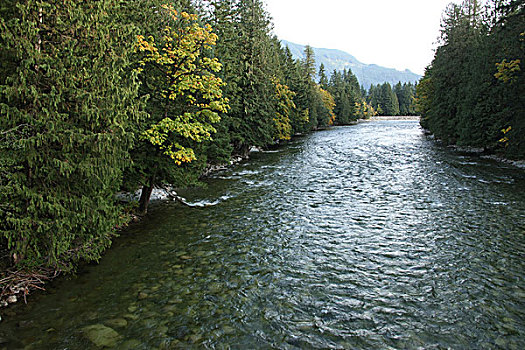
[[245, 49], [472, 94], [384, 100], [346, 91], [323, 80], [312, 97], [66, 110], [293, 77]]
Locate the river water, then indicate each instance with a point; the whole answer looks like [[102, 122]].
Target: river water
[[368, 236]]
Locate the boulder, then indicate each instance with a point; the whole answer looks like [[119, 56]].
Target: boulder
[[101, 336], [116, 322]]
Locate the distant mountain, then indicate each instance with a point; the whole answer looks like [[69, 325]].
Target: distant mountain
[[367, 74]]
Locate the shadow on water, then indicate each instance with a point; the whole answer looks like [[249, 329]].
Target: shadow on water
[[369, 236]]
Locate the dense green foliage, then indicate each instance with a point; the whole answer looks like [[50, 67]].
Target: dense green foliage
[[473, 93], [183, 98], [393, 101], [103, 96], [67, 99]]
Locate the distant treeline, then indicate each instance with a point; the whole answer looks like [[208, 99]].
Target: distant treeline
[[473, 93], [355, 102], [104, 96], [396, 101]]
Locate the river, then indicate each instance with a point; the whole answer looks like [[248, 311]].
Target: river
[[367, 236]]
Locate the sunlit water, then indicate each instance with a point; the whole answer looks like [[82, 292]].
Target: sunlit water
[[369, 236]]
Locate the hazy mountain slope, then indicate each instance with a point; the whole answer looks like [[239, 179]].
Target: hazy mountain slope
[[367, 74]]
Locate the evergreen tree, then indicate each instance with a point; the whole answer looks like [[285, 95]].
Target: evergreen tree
[[223, 16], [389, 102], [472, 94], [323, 80], [293, 77], [347, 95], [313, 100], [405, 96], [309, 63], [67, 105], [245, 51], [384, 100], [506, 48]]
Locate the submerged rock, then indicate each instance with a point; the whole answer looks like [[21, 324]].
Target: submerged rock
[[132, 308], [131, 317], [116, 322], [25, 324], [130, 344], [170, 308], [175, 301], [195, 338], [228, 329], [101, 335], [215, 287], [162, 330]]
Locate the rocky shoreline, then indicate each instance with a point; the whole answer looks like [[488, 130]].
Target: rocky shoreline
[[484, 154], [16, 285], [408, 117]]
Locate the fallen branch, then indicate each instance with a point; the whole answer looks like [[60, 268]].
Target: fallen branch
[[16, 282]]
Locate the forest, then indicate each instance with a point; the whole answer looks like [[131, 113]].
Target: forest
[[473, 93], [109, 96]]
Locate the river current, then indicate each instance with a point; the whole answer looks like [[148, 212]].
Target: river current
[[363, 237]]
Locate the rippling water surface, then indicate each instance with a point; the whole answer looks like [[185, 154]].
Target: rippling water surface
[[369, 236]]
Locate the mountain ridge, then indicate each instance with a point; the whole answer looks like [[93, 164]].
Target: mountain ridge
[[367, 74]]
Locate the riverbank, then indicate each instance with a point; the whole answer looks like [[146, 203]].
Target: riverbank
[[17, 284], [486, 154], [476, 151], [408, 117]]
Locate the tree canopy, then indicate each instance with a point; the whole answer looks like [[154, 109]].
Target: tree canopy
[[473, 92], [104, 96]]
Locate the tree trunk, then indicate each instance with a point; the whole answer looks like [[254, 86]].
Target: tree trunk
[[145, 196], [144, 199]]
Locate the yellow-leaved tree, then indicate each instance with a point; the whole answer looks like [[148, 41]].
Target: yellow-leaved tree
[[364, 110], [184, 94], [328, 103], [283, 112]]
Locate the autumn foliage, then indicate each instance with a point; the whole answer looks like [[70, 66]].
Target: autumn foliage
[[181, 74], [102, 96]]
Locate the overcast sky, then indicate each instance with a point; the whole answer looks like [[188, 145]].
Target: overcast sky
[[392, 33]]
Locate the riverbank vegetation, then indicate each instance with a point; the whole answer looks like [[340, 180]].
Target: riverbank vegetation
[[473, 93], [104, 96]]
